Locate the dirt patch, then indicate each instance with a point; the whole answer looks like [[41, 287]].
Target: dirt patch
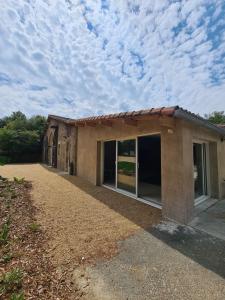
[[85, 221], [26, 271]]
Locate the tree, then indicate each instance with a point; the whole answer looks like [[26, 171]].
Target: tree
[[217, 117], [37, 123], [21, 137]]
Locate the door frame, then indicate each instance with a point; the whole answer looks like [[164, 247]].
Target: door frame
[[132, 195], [206, 172]]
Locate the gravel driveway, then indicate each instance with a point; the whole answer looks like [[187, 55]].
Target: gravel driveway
[[85, 221]]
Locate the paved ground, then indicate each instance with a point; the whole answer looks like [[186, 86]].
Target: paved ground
[[181, 265], [212, 220], [166, 262]]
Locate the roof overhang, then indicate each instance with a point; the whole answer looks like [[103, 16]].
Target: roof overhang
[[132, 118]]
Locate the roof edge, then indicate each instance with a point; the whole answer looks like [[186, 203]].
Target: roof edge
[[188, 116]]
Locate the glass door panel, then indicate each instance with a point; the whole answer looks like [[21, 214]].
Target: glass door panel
[[200, 170], [109, 177], [126, 165]]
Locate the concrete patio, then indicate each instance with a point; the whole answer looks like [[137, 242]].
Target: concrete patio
[[212, 219]]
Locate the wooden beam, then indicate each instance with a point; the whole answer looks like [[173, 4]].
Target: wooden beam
[[106, 123], [130, 122]]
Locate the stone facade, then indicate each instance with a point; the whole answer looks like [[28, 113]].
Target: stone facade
[[64, 146]]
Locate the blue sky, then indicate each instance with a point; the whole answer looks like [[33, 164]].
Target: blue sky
[[80, 58]]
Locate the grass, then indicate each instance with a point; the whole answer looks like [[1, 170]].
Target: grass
[[17, 296], [34, 227], [11, 280], [4, 233], [6, 258]]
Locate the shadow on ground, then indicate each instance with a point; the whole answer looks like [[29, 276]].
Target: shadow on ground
[[139, 213], [201, 247], [205, 249]]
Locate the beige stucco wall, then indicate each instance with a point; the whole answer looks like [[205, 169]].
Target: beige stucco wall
[[177, 138]]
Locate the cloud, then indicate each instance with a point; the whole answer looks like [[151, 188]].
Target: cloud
[[79, 58]]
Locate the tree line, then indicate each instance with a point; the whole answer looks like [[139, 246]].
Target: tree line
[[21, 138]]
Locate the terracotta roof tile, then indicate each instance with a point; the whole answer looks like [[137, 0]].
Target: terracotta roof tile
[[174, 111]]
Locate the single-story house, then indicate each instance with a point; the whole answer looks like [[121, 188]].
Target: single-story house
[[167, 157]]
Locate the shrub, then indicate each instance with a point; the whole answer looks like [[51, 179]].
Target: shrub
[[4, 160]]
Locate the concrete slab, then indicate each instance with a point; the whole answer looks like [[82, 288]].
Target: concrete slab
[[212, 220], [169, 261]]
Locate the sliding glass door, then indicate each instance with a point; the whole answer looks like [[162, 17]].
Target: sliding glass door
[[200, 170], [134, 166], [126, 165]]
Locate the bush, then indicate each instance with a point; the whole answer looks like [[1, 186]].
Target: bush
[[19, 146], [4, 160]]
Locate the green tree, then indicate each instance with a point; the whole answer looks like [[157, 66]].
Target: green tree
[[217, 117], [37, 123], [21, 137]]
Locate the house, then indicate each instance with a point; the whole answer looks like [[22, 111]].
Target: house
[[167, 157]]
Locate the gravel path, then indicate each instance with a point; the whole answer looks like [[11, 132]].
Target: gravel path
[[85, 221]]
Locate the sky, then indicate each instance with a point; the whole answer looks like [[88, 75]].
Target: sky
[[79, 58]]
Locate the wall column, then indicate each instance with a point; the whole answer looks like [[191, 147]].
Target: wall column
[[177, 173]]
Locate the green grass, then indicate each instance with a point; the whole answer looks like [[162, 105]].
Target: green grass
[[11, 280], [6, 258], [17, 296], [4, 233], [34, 227]]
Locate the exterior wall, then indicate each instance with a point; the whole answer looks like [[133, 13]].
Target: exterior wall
[[88, 137], [66, 153], [221, 164], [177, 137]]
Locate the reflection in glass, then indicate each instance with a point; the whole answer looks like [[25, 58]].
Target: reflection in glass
[[126, 165]]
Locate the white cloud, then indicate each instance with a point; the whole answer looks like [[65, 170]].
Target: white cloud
[[73, 58]]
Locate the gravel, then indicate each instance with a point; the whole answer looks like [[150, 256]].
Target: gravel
[[85, 221]]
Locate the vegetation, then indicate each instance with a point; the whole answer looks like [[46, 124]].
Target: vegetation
[[4, 233], [126, 168], [34, 227], [217, 117], [11, 280], [26, 271], [21, 138]]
